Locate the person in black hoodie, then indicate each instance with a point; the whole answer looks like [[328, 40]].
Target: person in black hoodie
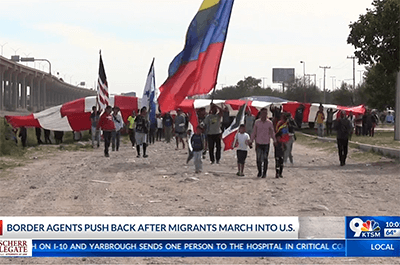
[[23, 134], [343, 128]]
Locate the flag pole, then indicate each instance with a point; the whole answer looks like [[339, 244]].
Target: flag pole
[[97, 90], [223, 48]]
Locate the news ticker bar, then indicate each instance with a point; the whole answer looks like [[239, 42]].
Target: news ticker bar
[[214, 248]]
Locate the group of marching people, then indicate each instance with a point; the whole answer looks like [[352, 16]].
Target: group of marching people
[[111, 123], [207, 135], [256, 129], [280, 129]]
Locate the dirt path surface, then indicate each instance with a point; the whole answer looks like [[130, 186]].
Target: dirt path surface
[[85, 183]]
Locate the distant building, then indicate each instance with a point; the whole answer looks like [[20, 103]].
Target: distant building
[[265, 98], [129, 94]]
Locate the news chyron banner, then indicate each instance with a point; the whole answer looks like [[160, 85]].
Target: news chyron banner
[[199, 236]]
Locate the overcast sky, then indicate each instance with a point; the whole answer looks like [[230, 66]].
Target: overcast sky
[[263, 34]]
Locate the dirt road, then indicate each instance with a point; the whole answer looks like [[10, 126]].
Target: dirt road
[[85, 183]]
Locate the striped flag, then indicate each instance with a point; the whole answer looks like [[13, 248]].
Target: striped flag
[[103, 99], [194, 70], [229, 134], [148, 98]]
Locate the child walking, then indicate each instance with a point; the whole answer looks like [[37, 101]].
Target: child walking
[[197, 142], [282, 137], [242, 140]]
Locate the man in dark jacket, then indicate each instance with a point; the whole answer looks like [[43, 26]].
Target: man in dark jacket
[[343, 128]]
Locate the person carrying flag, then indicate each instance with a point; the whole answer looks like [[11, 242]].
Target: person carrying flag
[[142, 129], [213, 124], [106, 123]]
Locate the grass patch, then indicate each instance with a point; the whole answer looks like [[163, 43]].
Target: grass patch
[[4, 165], [361, 156], [354, 151], [381, 138]]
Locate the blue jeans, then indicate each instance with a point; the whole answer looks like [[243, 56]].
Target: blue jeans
[[262, 151], [95, 136], [107, 140], [320, 127], [198, 164], [115, 136]]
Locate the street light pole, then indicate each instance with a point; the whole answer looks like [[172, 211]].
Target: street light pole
[[15, 51], [304, 79], [31, 59], [2, 48]]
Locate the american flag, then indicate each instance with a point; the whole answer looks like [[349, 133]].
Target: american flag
[[103, 98]]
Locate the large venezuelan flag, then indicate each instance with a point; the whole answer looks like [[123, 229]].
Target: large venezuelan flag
[[194, 70]]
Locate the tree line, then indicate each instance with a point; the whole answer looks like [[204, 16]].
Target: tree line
[[375, 37]]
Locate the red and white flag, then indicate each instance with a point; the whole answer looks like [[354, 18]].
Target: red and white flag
[[103, 99], [229, 134]]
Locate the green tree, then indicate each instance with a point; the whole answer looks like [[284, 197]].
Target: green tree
[[380, 87], [375, 37], [343, 96]]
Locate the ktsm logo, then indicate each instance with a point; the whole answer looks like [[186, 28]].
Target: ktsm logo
[[1, 227], [369, 228]]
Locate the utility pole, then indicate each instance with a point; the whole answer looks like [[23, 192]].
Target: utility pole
[[361, 72], [325, 67], [333, 79], [354, 75], [354, 70], [309, 79]]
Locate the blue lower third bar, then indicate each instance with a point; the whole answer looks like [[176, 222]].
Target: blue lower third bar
[[373, 248], [188, 248]]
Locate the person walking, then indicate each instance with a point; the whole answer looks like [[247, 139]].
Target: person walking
[[180, 128], [282, 137], [299, 116], [319, 118], [197, 143], [38, 132], [343, 128], [47, 136], [142, 129], [23, 135], [213, 125], [292, 137], [249, 122], [159, 134], [329, 120], [168, 126], [263, 131], [106, 123], [241, 141], [94, 119], [131, 128], [119, 124]]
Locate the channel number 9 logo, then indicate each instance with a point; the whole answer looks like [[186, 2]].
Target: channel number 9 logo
[[358, 226]]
